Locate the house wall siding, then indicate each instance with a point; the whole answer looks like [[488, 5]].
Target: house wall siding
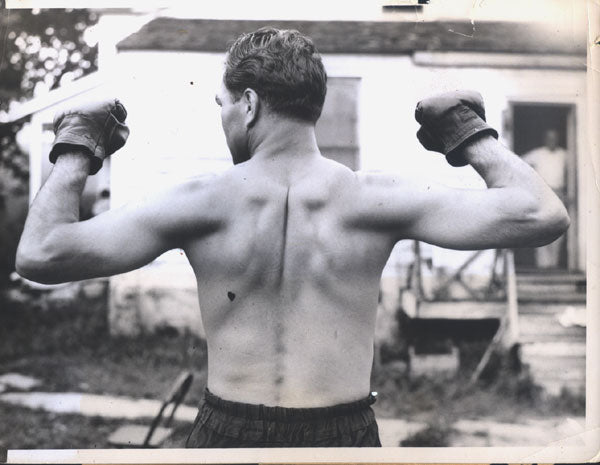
[[176, 133]]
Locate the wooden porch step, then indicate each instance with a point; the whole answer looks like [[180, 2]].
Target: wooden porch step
[[555, 386], [557, 365], [551, 277], [540, 308], [489, 309], [558, 287], [554, 376], [545, 369], [562, 350], [547, 328], [551, 286], [461, 310], [546, 296]]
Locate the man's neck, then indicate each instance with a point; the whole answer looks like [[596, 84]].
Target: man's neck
[[282, 138]]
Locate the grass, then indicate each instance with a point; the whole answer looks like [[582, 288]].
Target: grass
[[66, 344], [68, 347], [36, 429], [506, 393], [434, 435]]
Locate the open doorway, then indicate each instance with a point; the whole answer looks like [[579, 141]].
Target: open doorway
[[544, 136]]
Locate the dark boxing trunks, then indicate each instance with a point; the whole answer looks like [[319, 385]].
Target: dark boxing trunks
[[224, 424]]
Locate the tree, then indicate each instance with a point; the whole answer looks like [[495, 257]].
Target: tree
[[40, 50]]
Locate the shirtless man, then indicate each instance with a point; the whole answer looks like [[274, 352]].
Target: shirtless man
[[288, 247]]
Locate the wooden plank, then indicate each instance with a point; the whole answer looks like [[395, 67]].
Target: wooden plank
[[512, 333], [571, 336], [465, 310], [549, 277], [557, 287], [554, 349], [549, 309], [570, 376], [553, 297], [554, 387], [543, 326]]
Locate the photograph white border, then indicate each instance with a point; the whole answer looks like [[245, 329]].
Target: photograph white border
[[555, 452]]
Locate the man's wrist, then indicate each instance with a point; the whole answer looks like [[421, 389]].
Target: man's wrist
[[75, 161], [479, 148]]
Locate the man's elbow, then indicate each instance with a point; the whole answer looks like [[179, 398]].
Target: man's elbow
[[35, 265], [557, 218], [552, 221], [29, 267]]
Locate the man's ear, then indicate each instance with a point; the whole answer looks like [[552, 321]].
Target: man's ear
[[251, 106]]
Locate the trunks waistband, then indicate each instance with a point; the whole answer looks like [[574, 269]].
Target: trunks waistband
[[283, 414]]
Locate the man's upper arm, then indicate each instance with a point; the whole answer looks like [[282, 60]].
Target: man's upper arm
[[131, 236], [448, 217]]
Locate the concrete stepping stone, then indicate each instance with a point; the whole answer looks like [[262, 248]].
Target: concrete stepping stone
[[18, 381], [95, 405], [393, 430], [532, 433]]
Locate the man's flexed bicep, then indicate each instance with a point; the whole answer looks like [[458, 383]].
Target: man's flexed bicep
[[473, 219], [463, 219], [56, 247], [113, 242], [517, 209]]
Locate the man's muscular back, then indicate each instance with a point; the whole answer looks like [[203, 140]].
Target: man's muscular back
[[287, 284]]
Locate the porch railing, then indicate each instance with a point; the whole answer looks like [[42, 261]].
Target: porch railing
[[500, 287]]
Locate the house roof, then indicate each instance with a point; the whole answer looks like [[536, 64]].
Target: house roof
[[363, 37]]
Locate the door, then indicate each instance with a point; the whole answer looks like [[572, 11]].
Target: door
[[543, 134]]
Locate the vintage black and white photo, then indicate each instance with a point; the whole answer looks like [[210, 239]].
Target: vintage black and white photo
[[328, 225]]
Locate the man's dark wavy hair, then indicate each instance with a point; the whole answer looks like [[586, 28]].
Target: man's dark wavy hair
[[283, 67]]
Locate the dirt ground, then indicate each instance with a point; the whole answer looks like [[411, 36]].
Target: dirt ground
[[67, 346]]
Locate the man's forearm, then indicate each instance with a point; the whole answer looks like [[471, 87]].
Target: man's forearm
[[499, 167], [56, 204]]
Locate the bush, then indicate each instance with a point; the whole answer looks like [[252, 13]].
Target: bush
[[434, 435], [37, 324]]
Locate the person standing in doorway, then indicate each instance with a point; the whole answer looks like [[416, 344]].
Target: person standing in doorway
[[550, 161]]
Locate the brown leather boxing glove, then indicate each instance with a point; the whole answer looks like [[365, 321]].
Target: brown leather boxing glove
[[96, 128], [450, 120]]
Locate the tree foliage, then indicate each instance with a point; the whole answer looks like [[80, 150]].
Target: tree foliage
[[42, 48]]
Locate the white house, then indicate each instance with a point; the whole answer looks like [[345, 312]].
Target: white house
[[530, 75], [378, 70]]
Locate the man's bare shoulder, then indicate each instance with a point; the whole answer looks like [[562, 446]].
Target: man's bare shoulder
[[204, 185], [333, 173], [197, 195], [200, 182], [386, 201], [384, 180]]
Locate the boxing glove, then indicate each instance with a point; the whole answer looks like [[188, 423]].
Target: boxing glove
[[450, 120], [97, 128]]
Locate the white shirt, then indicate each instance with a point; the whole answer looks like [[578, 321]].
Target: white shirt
[[549, 164]]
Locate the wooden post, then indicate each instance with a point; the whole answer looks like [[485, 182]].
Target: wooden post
[[508, 331], [511, 335]]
